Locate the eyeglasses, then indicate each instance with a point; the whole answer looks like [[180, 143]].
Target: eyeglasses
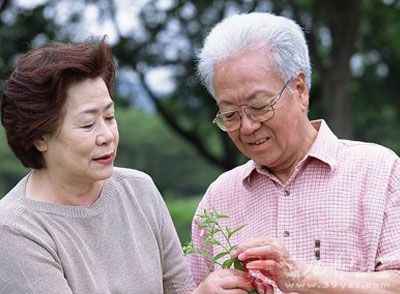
[[259, 111]]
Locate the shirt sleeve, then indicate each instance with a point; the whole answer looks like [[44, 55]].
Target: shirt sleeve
[[176, 274], [388, 257], [27, 267], [199, 266]]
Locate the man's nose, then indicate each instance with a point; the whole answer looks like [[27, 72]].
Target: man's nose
[[248, 124]]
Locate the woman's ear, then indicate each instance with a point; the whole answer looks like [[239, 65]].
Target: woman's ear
[[41, 144]]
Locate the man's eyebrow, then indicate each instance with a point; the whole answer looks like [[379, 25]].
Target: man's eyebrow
[[94, 110], [258, 93], [249, 97]]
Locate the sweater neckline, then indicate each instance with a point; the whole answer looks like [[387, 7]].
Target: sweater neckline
[[68, 211]]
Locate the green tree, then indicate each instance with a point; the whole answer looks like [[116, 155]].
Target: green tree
[[359, 101], [150, 146], [21, 30], [336, 31]]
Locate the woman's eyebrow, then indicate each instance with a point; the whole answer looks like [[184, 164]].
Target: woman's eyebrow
[[95, 110]]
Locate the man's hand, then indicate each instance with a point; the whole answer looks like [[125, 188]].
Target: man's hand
[[226, 281], [270, 258]]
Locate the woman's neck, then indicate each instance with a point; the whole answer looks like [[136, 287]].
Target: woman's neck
[[46, 187]]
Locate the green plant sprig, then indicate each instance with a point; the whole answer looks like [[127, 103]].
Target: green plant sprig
[[211, 228]]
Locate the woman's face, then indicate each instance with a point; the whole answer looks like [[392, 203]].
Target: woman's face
[[84, 148]]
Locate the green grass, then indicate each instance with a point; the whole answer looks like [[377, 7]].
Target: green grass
[[182, 211]]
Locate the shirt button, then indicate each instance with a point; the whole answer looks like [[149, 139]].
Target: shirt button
[[286, 193], [286, 233]]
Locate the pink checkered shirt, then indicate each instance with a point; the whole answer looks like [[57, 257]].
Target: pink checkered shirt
[[343, 194]]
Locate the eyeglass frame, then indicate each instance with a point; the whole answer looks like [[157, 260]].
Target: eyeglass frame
[[242, 109]]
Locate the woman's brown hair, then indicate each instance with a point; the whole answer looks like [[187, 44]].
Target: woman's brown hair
[[35, 93]]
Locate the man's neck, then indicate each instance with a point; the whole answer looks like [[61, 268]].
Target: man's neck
[[285, 172]]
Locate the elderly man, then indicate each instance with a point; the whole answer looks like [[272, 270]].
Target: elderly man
[[322, 213]]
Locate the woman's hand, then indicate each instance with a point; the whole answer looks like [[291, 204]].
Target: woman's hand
[[226, 281]]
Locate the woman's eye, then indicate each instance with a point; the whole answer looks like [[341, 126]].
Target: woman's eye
[[88, 126], [111, 117]]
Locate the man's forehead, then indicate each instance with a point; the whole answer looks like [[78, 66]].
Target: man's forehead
[[257, 95]]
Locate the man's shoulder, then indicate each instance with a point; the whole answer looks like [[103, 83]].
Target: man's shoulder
[[366, 151], [235, 175], [239, 171]]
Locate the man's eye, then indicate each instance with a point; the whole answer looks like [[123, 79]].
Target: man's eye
[[111, 117], [260, 107], [229, 115]]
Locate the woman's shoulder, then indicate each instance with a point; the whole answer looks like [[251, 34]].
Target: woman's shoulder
[[12, 205], [135, 183], [121, 173]]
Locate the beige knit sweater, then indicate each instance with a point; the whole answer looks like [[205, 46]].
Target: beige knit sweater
[[123, 243]]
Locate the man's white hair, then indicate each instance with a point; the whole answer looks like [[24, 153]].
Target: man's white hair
[[279, 37]]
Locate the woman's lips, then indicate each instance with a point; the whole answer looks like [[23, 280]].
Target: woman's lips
[[105, 160]]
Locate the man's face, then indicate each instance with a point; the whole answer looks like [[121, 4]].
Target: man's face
[[84, 148], [279, 141]]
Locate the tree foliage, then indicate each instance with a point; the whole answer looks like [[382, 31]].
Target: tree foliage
[[354, 46], [340, 35]]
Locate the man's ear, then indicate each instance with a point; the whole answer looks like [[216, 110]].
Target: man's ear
[[41, 143], [301, 88]]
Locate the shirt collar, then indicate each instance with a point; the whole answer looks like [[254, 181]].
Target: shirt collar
[[323, 149], [325, 145]]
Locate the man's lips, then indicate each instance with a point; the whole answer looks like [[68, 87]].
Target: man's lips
[[258, 141]]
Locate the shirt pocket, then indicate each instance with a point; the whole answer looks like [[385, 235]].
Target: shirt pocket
[[341, 250]]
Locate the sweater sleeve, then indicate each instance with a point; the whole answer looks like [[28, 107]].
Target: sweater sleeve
[[28, 267], [199, 266], [176, 274]]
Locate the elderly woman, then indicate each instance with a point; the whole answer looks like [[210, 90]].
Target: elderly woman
[[76, 223]]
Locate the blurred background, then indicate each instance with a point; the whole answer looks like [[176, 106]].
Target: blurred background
[[163, 112]]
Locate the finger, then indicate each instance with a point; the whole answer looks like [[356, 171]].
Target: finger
[[268, 268], [259, 278], [267, 264], [264, 252], [232, 279], [232, 272], [269, 289], [236, 282], [260, 288], [261, 283], [256, 242], [232, 291], [227, 272]]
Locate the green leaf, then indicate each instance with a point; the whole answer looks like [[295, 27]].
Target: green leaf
[[220, 255], [188, 248], [237, 264], [231, 232], [227, 263], [233, 247], [219, 215]]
